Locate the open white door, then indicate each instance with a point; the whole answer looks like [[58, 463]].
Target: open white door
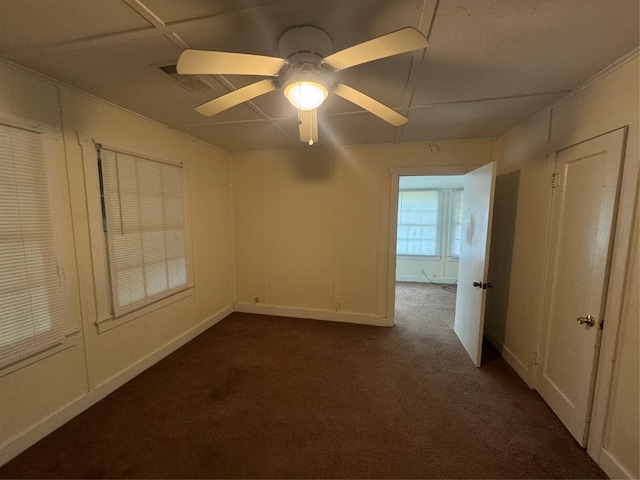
[[479, 188], [577, 273]]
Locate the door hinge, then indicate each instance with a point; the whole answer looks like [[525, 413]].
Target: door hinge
[[536, 358], [555, 180]]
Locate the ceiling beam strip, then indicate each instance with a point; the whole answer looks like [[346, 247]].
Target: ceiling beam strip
[[142, 10], [87, 42], [426, 106], [129, 35], [415, 70]]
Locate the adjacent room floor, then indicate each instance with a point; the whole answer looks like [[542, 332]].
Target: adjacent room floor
[[272, 397]]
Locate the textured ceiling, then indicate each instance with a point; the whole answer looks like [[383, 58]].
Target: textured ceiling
[[490, 64]]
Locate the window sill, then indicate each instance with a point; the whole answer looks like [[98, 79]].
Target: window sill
[[107, 323], [70, 339], [429, 258]]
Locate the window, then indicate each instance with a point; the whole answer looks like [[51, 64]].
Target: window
[[143, 217], [418, 222], [30, 306], [455, 234]]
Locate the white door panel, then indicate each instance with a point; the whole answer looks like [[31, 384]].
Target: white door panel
[[479, 188], [582, 221]]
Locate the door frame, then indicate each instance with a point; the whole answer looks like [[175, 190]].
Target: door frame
[[394, 177], [625, 224]]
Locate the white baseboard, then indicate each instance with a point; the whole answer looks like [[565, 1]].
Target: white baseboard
[[16, 445], [520, 368], [612, 467], [311, 314], [513, 361]]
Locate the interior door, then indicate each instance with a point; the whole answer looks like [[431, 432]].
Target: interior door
[[586, 180], [471, 296]]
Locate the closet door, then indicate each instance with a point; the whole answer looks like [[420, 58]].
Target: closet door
[[583, 212]]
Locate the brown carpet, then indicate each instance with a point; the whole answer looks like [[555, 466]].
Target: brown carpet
[[270, 397]]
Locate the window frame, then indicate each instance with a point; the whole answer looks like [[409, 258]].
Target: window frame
[[438, 254], [105, 319], [64, 252]]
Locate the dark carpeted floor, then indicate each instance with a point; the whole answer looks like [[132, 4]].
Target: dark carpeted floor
[[270, 397]]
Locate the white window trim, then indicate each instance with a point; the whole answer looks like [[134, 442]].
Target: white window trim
[[16, 121], [413, 256], [70, 339], [110, 322], [71, 335], [105, 320]]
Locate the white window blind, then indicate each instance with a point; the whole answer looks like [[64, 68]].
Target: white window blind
[[145, 229], [30, 309], [418, 222]]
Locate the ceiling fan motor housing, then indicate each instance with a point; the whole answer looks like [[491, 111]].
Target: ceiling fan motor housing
[[304, 47], [305, 44]]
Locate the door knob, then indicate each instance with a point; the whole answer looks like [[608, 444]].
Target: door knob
[[588, 320]]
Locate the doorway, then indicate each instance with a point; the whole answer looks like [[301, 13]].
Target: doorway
[[416, 235], [428, 229], [428, 235]]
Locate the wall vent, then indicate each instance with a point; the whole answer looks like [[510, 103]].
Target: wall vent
[[192, 83]]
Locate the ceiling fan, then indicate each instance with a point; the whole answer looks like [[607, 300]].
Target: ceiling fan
[[306, 72]]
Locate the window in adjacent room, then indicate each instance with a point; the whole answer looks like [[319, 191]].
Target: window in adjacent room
[[144, 221], [419, 222], [30, 305]]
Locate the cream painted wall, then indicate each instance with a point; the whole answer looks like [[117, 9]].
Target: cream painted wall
[[525, 160], [47, 392], [312, 226], [442, 269], [520, 220], [621, 435]]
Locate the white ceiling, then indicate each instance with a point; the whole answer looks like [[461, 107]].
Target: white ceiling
[[490, 65]]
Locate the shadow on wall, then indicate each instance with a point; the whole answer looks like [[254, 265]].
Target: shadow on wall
[[311, 164], [502, 237]]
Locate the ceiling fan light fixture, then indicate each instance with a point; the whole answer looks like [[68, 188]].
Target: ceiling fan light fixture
[[305, 95]]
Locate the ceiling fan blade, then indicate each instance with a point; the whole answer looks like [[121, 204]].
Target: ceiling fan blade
[[308, 126], [203, 62], [385, 113], [236, 97], [395, 43]]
